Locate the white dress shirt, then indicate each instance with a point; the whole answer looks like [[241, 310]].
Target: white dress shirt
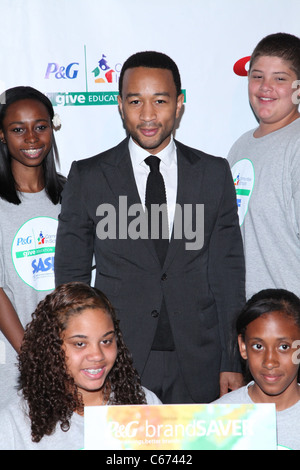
[[168, 169]]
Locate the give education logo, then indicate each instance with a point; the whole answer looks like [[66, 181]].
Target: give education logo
[[99, 73], [100, 77]]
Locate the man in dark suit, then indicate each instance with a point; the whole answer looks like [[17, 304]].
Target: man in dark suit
[[176, 307]]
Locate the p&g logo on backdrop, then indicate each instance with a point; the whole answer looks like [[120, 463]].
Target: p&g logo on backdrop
[[102, 75], [62, 72]]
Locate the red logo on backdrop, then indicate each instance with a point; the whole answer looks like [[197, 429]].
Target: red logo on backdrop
[[240, 66]]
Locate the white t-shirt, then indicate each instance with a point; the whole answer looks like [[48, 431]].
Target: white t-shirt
[[266, 173], [27, 248], [288, 421], [15, 429]]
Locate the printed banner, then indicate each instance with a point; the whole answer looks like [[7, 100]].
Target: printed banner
[[181, 427], [75, 52]]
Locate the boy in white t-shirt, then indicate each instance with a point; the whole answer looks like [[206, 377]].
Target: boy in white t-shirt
[[265, 165]]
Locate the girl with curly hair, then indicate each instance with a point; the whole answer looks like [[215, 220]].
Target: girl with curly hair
[[73, 355]]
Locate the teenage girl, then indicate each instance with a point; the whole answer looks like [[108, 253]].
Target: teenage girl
[[30, 191], [73, 355], [268, 336]]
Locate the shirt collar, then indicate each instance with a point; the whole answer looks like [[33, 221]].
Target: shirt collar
[[138, 154]]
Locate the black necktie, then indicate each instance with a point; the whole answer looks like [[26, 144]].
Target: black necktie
[[156, 194], [157, 219]]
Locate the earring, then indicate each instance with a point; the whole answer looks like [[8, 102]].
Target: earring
[[3, 141]]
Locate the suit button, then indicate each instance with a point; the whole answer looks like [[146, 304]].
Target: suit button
[[164, 277], [154, 313]]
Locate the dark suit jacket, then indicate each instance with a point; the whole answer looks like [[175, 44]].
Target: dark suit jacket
[[203, 289]]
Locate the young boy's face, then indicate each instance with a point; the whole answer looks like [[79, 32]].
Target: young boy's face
[[271, 93]]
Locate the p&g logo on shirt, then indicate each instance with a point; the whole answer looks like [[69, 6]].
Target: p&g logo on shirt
[[33, 255]]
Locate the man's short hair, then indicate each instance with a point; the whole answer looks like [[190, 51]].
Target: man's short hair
[[283, 45], [154, 60]]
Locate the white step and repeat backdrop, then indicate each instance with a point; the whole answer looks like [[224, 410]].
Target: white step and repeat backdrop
[[73, 51]]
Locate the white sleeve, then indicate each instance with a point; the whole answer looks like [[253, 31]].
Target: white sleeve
[[151, 398], [7, 438]]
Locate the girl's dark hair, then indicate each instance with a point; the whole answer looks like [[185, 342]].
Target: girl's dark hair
[[54, 182], [264, 302], [48, 388], [267, 301]]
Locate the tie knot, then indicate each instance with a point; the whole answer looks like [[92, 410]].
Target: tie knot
[[153, 162]]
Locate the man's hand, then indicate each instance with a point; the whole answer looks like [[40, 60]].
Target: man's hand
[[230, 381]]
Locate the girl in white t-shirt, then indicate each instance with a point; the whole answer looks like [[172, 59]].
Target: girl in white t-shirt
[[269, 336], [73, 355], [30, 197], [28, 154]]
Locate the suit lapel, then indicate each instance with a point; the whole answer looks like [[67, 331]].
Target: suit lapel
[[120, 177], [118, 171], [117, 168], [189, 188]]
